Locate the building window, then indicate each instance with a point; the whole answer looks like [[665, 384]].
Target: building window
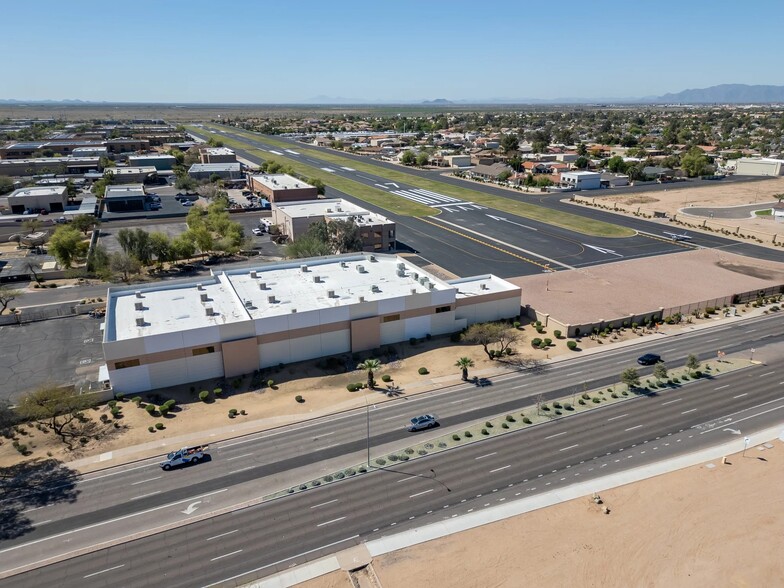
[[119, 365], [203, 350], [391, 234], [390, 318], [440, 309]]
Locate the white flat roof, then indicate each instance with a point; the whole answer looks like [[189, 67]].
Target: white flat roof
[[480, 285], [280, 181], [214, 167], [123, 191], [118, 171], [218, 150], [38, 191], [236, 295], [582, 174], [152, 156], [332, 208]]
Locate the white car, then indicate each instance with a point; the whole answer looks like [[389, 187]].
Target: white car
[[256, 231], [187, 202], [426, 421]]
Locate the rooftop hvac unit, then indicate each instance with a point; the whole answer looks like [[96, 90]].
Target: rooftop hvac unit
[[330, 293], [271, 299], [303, 268], [483, 286], [423, 280], [208, 310], [415, 275], [361, 269], [374, 288], [430, 285], [401, 273], [401, 266], [139, 321], [329, 210], [372, 257], [343, 264], [199, 286], [413, 290], [253, 274], [138, 293], [248, 304], [361, 298], [139, 306], [262, 285], [317, 279], [293, 311], [204, 297]]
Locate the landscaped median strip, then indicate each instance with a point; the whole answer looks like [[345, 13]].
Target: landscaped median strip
[[374, 196], [523, 418], [572, 222]]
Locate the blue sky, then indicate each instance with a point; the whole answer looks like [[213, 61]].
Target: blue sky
[[401, 50]]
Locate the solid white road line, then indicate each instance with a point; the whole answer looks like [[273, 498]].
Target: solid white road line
[[620, 416], [501, 468], [104, 571], [421, 493], [634, 427], [570, 447], [324, 503], [226, 555], [330, 522], [739, 420], [557, 434], [765, 374], [741, 395], [281, 561], [688, 411], [222, 535], [671, 401], [147, 480], [484, 456]]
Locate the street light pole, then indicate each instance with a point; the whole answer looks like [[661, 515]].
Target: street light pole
[[367, 414]]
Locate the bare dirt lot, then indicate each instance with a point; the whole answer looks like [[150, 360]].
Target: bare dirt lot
[[699, 526]]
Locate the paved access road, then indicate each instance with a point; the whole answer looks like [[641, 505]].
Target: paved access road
[[257, 541], [141, 496], [551, 243]]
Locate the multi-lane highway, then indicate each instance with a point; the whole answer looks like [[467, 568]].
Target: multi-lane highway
[[123, 501]]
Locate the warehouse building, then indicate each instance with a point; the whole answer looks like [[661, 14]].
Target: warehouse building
[[160, 162], [49, 198], [125, 198], [582, 180], [226, 171], [217, 155], [294, 218], [132, 175], [759, 166], [238, 321], [282, 188]]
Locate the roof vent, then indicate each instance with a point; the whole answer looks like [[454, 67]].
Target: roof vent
[[343, 264], [139, 321], [361, 269], [317, 279], [423, 280], [248, 304], [199, 286], [329, 210], [430, 285], [204, 297], [293, 311], [483, 286], [415, 275], [361, 298], [401, 273], [303, 268], [208, 310], [330, 293], [413, 290], [374, 288], [371, 257], [401, 266], [139, 306], [138, 293], [262, 285], [253, 274], [271, 299]]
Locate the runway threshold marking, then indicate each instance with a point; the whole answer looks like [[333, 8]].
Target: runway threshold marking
[[545, 266]]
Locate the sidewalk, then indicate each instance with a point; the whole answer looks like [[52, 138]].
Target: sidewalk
[[157, 448]]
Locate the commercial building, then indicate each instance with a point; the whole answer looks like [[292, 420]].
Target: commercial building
[[48, 198], [125, 198], [48, 165], [217, 155], [93, 151], [282, 188], [238, 321], [160, 162], [226, 171], [26, 149], [131, 175], [458, 160], [759, 166], [582, 180], [294, 219]]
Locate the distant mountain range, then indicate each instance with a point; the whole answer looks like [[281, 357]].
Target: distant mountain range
[[721, 94]]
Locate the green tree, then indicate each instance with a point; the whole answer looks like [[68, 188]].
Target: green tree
[[660, 371], [70, 188], [32, 225], [124, 264], [183, 246], [408, 157], [631, 378], [98, 262], [135, 243], [67, 245], [692, 363], [7, 296], [582, 162], [486, 334], [515, 162], [582, 150], [308, 246], [185, 182], [6, 185], [422, 159], [57, 408], [85, 223], [616, 164], [370, 365], [504, 175], [510, 143], [464, 363], [161, 248], [694, 162], [539, 146]]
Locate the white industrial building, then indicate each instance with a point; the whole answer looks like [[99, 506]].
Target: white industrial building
[[238, 321], [759, 166], [582, 180]]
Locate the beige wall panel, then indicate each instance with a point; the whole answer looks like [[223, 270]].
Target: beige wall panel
[[240, 357], [365, 334]]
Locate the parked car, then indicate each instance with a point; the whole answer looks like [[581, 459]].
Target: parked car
[[649, 359], [187, 202], [425, 421], [257, 231]]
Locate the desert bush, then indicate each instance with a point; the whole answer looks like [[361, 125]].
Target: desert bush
[[137, 400], [160, 426], [386, 378], [557, 333], [485, 432], [596, 400], [203, 395], [299, 399], [571, 345], [150, 408], [217, 392], [504, 426], [536, 342], [151, 429], [456, 437], [423, 371], [526, 420], [232, 413]]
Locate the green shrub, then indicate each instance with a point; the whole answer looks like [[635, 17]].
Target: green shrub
[[516, 324], [504, 426], [119, 396], [386, 378], [232, 413], [423, 371], [111, 403], [163, 410], [392, 458], [150, 408], [352, 471], [568, 406], [596, 400], [217, 392], [270, 383], [572, 345], [485, 432], [409, 450], [151, 429], [536, 342], [456, 437], [556, 404], [362, 469], [526, 420], [204, 395], [510, 418], [467, 434], [581, 401], [137, 400], [170, 403], [159, 426], [624, 393], [351, 387], [547, 342], [698, 374], [488, 424], [614, 395], [557, 334], [299, 399]]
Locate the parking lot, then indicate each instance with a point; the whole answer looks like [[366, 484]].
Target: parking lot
[[58, 351]]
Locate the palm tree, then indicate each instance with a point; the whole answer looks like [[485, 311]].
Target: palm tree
[[464, 363], [370, 365]]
